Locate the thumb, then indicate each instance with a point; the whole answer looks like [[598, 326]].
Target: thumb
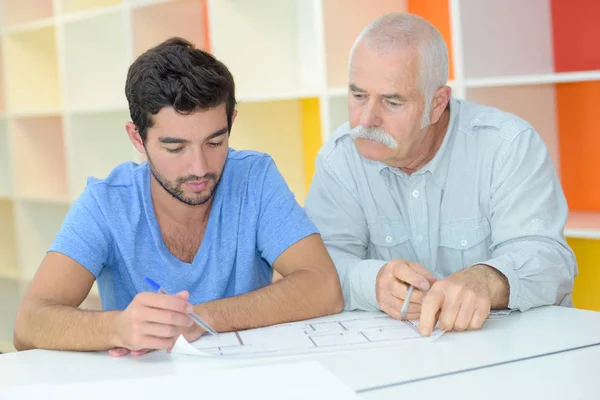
[[184, 295]]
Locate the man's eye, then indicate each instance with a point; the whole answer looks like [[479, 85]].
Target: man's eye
[[177, 150]]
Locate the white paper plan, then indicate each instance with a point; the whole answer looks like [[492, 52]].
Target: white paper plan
[[343, 331]]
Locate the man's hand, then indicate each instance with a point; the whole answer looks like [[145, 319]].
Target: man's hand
[[151, 321], [463, 300], [392, 286]]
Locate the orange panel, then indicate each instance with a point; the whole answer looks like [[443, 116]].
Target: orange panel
[[576, 32], [437, 12], [579, 143]]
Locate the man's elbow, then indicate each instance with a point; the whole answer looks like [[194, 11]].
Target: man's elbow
[[20, 340], [333, 293]]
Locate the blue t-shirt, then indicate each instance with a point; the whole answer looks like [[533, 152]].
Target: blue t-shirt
[[112, 231]]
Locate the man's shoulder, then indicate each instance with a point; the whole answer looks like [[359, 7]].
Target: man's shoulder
[[122, 183], [248, 165], [479, 121]]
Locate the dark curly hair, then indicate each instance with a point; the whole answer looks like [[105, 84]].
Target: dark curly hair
[[176, 74]]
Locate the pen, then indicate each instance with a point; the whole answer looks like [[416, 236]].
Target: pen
[[192, 315], [406, 301]]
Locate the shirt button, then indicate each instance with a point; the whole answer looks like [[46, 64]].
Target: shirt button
[[388, 239], [464, 242], [415, 193]]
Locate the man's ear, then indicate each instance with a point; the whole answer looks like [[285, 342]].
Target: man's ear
[[135, 137], [440, 102]]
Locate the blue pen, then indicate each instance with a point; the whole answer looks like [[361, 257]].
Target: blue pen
[[192, 315]]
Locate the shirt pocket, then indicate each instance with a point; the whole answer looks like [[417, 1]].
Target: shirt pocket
[[388, 240], [463, 243]]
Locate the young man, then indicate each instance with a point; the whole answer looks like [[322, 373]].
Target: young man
[[206, 222], [458, 200]]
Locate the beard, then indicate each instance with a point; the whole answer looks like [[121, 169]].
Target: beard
[[175, 188]]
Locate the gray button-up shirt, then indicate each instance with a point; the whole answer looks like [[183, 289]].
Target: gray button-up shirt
[[489, 196]]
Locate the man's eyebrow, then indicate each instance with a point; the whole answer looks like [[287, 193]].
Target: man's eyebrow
[[177, 140], [172, 140], [355, 88], [218, 133], [394, 96]]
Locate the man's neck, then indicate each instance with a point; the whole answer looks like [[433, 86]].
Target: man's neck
[[428, 148], [165, 205]]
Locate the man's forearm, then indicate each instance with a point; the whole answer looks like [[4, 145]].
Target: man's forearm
[[298, 296], [59, 327]]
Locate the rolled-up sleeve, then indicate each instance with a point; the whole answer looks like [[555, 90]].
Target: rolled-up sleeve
[[528, 212], [337, 214]]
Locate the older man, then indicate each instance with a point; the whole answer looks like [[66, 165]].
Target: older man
[[420, 189]]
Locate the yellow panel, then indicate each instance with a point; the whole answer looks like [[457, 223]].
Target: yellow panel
[[311, 137], [31, 71], [8, 247], [274, 128], [71, 6], [586, 293]]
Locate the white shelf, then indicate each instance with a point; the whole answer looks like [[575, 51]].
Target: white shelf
[[537, 79], [583, 225], [96, 74], [98, 143], [30, 26], [109, 108], [35, 113]]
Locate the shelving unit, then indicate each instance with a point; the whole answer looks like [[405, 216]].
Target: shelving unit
[[62, 106]]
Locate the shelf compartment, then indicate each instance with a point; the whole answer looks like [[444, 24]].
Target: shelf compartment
[[278, 53], [96, 74], [35, 87], [154, 24], [579, 137], [504, 44], [20, 12], [39, 158], [343, 20], [574, 27], [274, 128]]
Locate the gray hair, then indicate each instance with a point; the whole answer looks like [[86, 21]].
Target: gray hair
[[392, 31]]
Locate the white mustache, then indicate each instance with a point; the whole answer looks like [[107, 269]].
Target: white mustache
[[376, 134]]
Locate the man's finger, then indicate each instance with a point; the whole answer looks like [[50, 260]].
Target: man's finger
[[400, 291], [464, 316], [118, 352], [160, 330], [165, 302], [421, 270], [137, 353], [449, 312], [479, 316], [429, 311], [156, 343], [407, 275], [166, 317]]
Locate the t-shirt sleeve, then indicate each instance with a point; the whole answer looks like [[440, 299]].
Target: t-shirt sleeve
[[84, 235], [281, 221]]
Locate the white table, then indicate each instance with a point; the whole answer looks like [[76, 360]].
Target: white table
[[507, 347]]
